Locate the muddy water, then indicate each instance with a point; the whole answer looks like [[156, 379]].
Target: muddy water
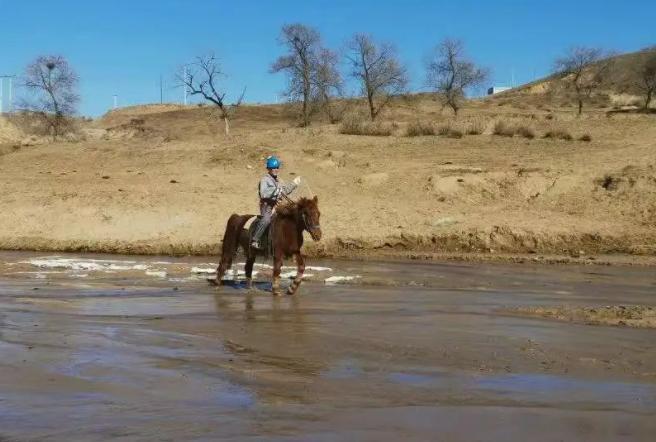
[[96, 348]]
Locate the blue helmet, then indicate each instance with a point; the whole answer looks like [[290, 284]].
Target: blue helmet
[[273, 163]]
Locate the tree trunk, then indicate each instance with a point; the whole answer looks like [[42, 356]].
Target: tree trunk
[[372, 110], [226, 124], [305, 113], [648, 100], [454, 106]]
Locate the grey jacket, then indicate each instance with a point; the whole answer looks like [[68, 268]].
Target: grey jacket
[[272, 190]]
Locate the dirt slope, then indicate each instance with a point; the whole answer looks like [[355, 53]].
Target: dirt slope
[[164, 180]]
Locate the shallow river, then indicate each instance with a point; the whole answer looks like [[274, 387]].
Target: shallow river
[[133, 348]]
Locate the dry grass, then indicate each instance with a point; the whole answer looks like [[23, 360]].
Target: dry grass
[[525, 131], [449, 131], [475, 128], [356, 125], [444, 130], [455, 133], [503, 129], [420, 128], [558, 134]]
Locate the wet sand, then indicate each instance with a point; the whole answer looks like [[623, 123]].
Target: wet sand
[[403, 351]]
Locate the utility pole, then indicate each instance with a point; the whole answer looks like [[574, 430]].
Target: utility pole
[[115, 101], [161, 90]]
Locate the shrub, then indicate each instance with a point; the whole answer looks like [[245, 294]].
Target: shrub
[[503, 129], [525, 132], [448, 131], [455, 133], [586, 137], [444, 130], [377, 129], [419, 128], [351, 125], [559, 134], [475, 128], [355, 125]]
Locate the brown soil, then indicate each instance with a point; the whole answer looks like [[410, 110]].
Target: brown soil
[[165, 180], [640, 316]]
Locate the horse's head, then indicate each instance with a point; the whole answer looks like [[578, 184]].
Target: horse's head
[[309, 211]]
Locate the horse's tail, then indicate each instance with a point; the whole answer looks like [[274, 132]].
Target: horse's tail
[[231, 236]]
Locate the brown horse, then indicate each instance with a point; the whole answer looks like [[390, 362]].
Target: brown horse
[[287, 226]]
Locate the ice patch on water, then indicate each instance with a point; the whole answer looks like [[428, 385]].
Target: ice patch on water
[[312, 268], [203, 270], [258, 265], [292, 275], [158, 273], [340, 279], [89, 265], [318, 269]]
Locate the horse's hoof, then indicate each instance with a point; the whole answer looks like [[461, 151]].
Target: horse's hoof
[[290, 292], [213, 281]]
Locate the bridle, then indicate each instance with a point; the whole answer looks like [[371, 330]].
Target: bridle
[[308, 227]]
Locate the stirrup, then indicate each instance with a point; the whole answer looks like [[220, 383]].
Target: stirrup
[[256, 245]]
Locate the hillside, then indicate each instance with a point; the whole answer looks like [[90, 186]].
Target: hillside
[[164, 179], [618, 88]]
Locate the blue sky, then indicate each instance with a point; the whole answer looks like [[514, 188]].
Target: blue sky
[[121, 47]]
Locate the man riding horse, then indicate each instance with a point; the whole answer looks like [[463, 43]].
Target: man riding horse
[[292, 218], [271, 191]]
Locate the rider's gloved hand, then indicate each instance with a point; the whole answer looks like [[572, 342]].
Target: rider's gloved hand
[[297, 180]]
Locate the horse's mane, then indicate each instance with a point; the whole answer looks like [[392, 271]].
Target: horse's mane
[[290, 209]]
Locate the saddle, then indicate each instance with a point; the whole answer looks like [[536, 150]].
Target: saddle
[[265, 241]]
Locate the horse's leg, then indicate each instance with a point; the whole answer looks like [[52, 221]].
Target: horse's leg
[[277, 265], [300, 269], [224, 265], [248, 269]]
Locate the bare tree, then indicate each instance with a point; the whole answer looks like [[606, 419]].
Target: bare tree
[[302, 43], [202, 77], [52, 84], [583, 69], [647, 79], [379, 71], [328, 83], [450, 73]]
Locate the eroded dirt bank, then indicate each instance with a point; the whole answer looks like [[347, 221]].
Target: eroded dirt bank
[[136, 348]]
